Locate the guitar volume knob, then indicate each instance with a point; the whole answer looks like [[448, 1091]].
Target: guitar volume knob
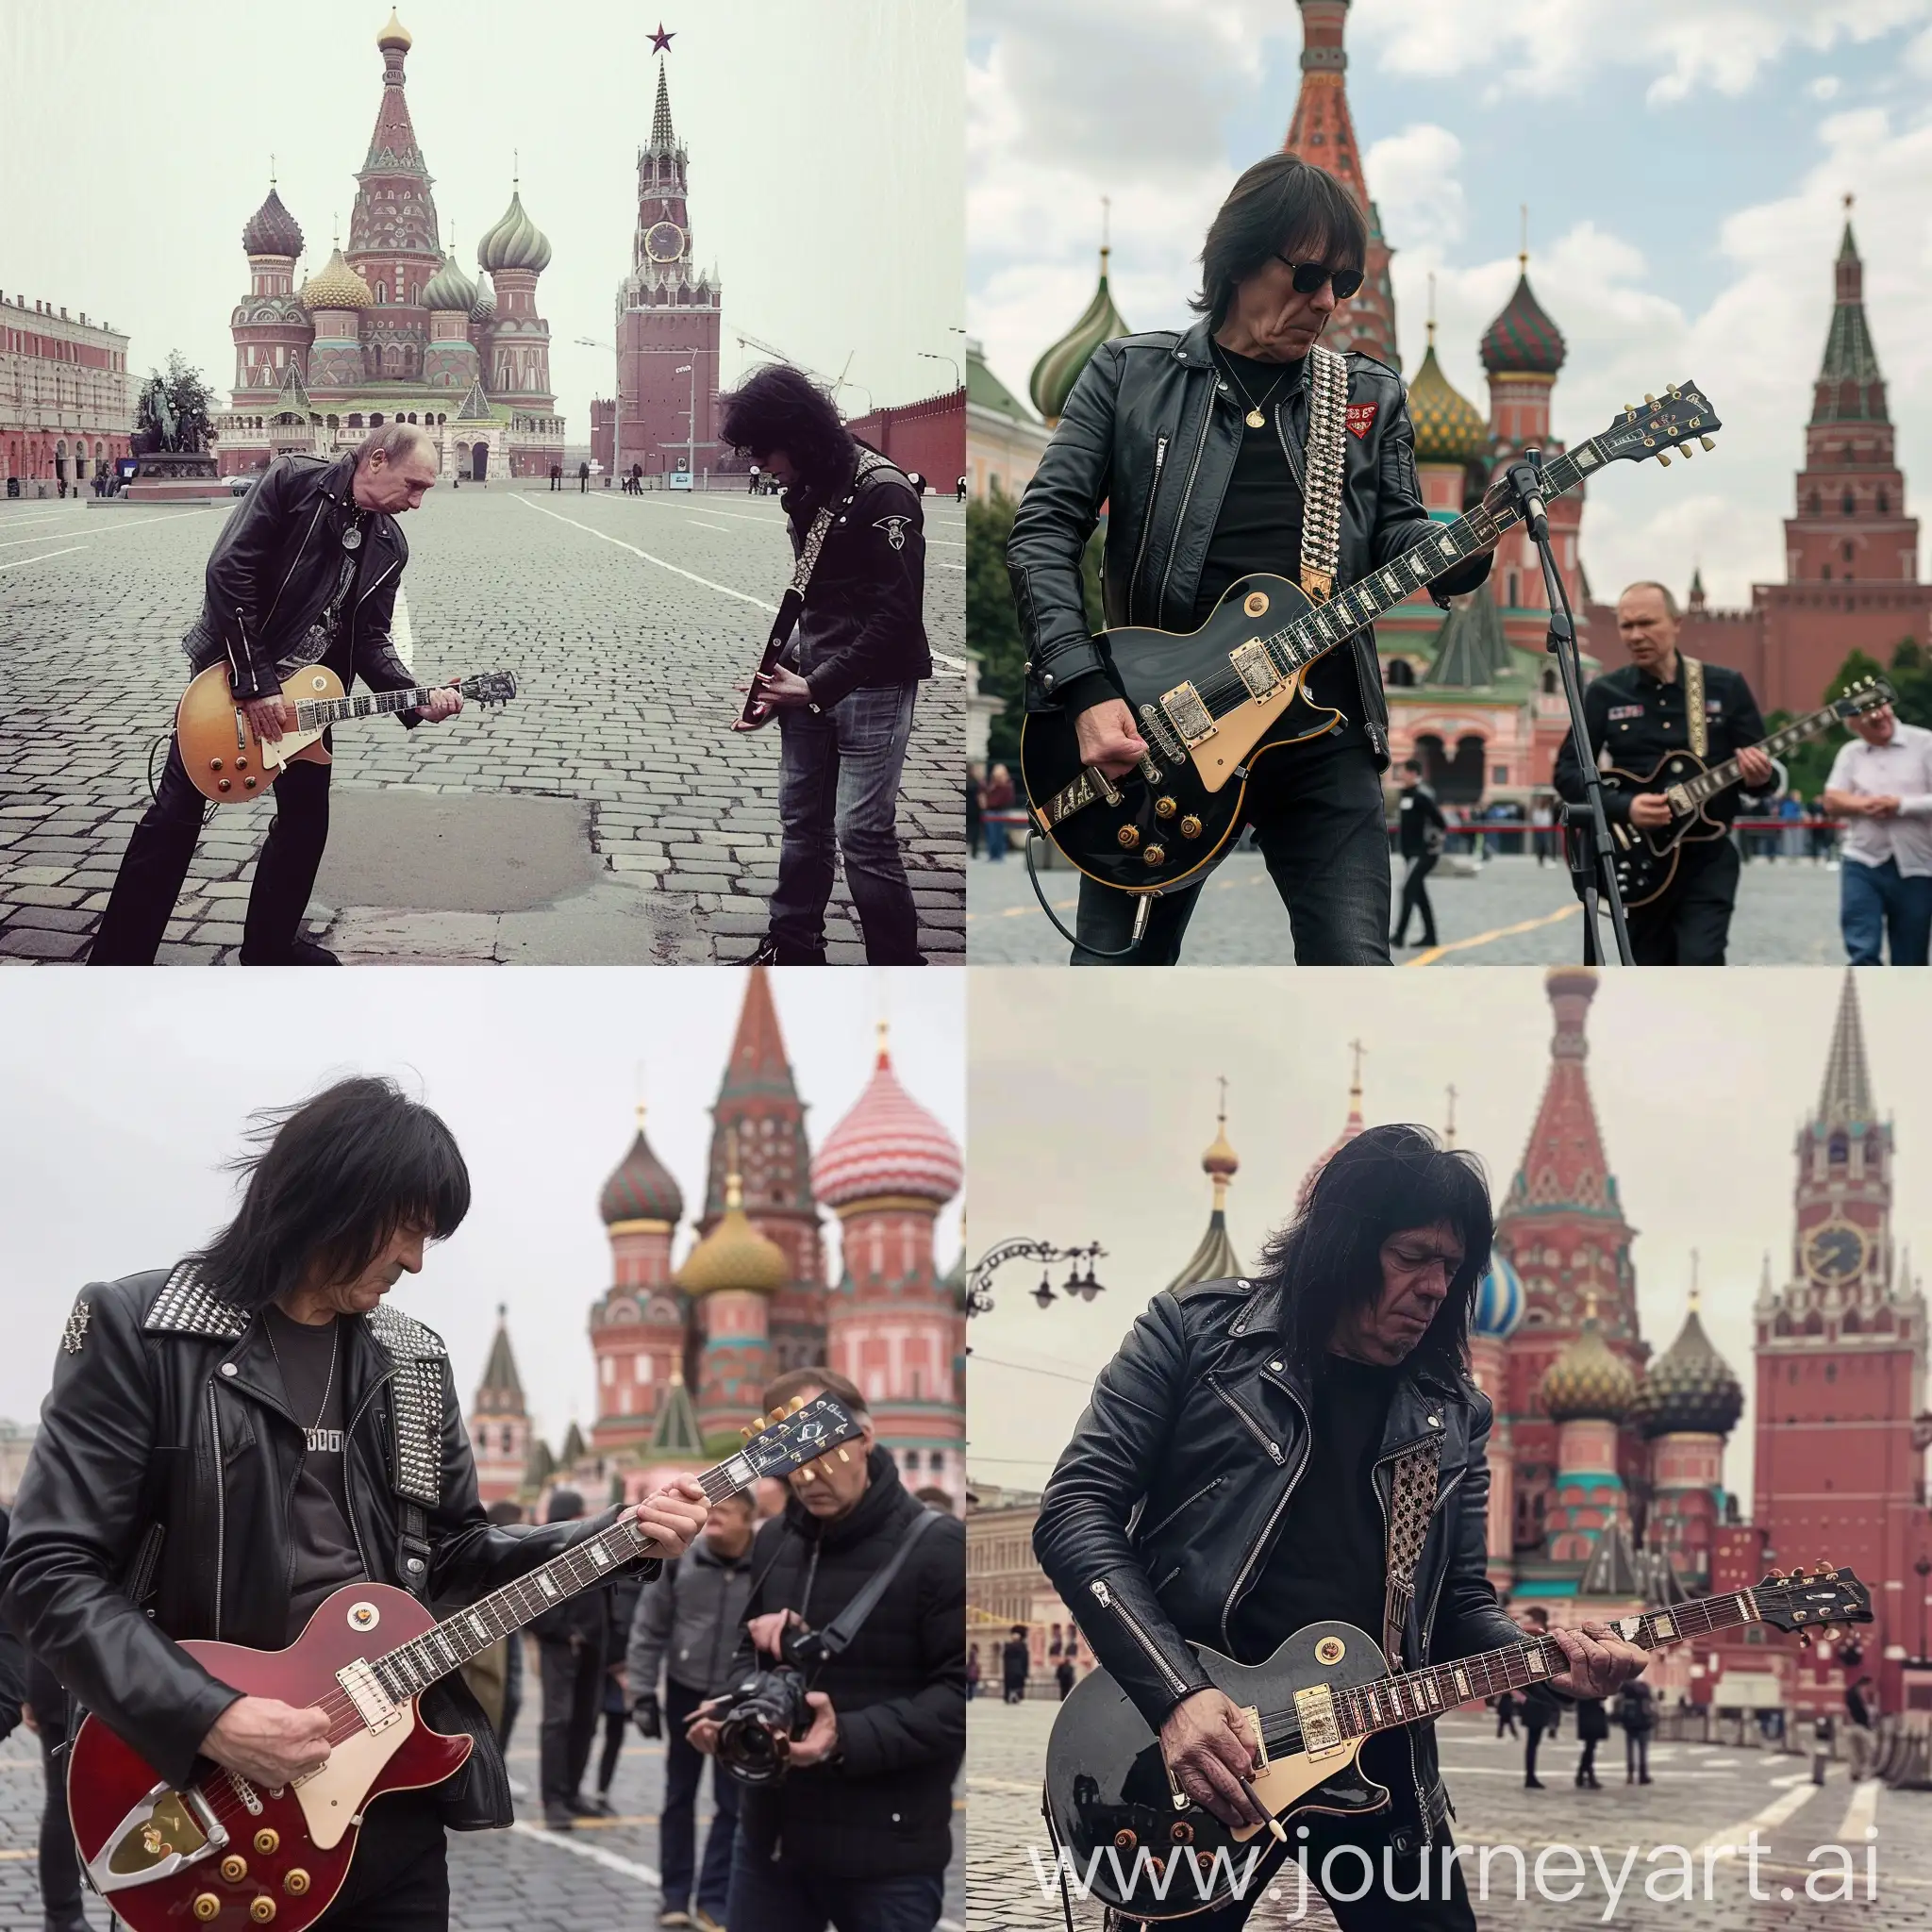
[[1125, 1840], [262, 1908], [1156, 854], [267, 1839], [296, 1882], [1129, 836], [233, 1868], [1190, 826], [206, 1906], [1165, 807], [214, 764]]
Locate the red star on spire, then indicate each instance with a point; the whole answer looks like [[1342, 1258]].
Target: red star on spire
[[661, 41]]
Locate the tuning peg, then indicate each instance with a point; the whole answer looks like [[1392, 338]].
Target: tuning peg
[[1686, 451], [776, 1416], [746, 1433], [797, 1403], [1707, 443], [1649, 399], [844, 1456], [1663, 456]]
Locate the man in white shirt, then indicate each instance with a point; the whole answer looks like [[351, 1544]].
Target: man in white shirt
[[1881, 782]]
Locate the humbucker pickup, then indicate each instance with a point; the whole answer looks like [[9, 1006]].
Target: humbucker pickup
[[1189, 716], [1255, 668]]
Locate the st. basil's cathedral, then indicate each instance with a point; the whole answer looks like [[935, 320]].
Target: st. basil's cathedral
[[683, 1348], [393, 328]]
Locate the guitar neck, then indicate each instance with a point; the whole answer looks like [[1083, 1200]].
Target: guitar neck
[[310, 712], [1721, 777], [414, 1666]]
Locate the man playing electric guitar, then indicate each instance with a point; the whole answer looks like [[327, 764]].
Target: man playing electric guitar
[[1636, 715], [229, 1440], [1195, 444], [1304, 1446]]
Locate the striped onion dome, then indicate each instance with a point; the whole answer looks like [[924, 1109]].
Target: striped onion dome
[[1523, 341], [1587, 1380], [1690, 1388], [888, 1144], [641, 1188], [515, 241], [1449, 429], [272, 230], [1499, 1299], [1058, 369], [450, 289], [337, 286], [734, 1256], [485, 308]]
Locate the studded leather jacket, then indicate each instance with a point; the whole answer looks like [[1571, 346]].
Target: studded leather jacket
[[1164, 1508], [155, 1506], [1150, 434]]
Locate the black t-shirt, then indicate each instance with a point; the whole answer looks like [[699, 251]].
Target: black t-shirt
[[337, 618], [326, 1557], [1259, 527]]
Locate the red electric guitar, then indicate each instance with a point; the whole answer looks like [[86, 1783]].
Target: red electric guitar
[[227, 1853]]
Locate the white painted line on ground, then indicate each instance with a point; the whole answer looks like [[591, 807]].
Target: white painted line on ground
[[134, 525], [703, 525], [18, 561], [1862, 1814], [400, 635], [1734, 1837], [563, 1841]]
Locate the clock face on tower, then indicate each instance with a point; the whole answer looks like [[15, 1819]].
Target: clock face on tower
[[664, 242], [1836, 1252]]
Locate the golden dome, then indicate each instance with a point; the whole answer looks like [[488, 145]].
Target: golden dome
[[395, 34], [1587, 1380], [734, 1256], [1449, 429], [1221, 1159], [338, 285]]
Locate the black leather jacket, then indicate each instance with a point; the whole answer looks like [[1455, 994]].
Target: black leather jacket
[[272, 570], [1150, 433], [155, 1506], [1163, 1509]]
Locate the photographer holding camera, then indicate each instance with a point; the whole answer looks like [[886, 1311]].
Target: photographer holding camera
[[846, 1720]]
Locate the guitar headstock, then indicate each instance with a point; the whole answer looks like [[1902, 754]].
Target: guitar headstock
[[793, 1436], [490, 687], [1813, 1605], [1679, 419], [1866, 695]]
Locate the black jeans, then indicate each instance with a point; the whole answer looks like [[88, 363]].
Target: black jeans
[[1636, 1755], [59, 1863], [1586, 1765], [1536, 1738], [775, 1895], [684, 1771], [1415, 898], [1317, 813], [573, 1691], [1690, 924], [399, 1879], [155, 863], [616, 1723]]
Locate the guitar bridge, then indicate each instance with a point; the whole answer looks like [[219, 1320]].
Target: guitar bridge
[[1321, 1729], [1190, 717], [1164, 741], [1256, 669], [166, 1832]]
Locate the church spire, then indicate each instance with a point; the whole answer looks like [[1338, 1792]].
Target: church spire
[[501, 1390], [663, 139], [1849, 388], [1214, 1258], [1846, 1099]]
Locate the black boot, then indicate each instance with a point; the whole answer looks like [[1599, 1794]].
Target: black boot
[[774, 952]]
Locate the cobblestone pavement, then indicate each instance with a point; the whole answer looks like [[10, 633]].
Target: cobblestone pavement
[[626, 621], [1701, 1796], [602, 1877], [1513, 913]]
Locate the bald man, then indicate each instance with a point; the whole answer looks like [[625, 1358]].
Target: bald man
[[1638, 714], [306, 571]]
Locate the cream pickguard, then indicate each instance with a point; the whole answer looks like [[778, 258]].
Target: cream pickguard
[[332, 1799]]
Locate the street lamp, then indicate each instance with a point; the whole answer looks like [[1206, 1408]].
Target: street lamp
[[1024, 1248], [1922, 1570], [616, 414], [690, 448], [959, 381]]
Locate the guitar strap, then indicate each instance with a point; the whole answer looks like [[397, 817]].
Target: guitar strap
[[1411, 1504], [1692, 672], [1322, 457]]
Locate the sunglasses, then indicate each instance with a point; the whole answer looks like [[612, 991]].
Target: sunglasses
[[1309, 275]]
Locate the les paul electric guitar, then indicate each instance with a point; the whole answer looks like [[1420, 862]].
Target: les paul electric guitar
[[1143, 1848], [1646, 855], [1210, 702], [227, 1853], [228, 764]]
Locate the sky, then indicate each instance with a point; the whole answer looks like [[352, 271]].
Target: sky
[[825, 164], [1683, 167], [122, 1111], [1088, 1120]]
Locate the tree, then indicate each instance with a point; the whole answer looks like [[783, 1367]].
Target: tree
[[1810, 765]]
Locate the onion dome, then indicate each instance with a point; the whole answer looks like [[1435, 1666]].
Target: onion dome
[[1214, 1258], [1586, 1381], [485, 308], [1221, 1161], [641, 1188], [734, 1256], [272, 230], [515, 241], [1690, 1388], [338, 285], [1449, 429], [888, 1144], [1499, 1299], [1056, 373], [1350, 1128], [449, 288], [395, 35], [1523, 341]]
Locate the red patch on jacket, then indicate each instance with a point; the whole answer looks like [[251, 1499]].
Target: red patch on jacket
[[1360, 416]]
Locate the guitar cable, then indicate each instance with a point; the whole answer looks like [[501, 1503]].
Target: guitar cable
[[153, 790], [1142, 910]]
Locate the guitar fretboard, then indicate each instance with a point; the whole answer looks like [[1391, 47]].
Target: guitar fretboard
[[313, 712], [1721, 778]]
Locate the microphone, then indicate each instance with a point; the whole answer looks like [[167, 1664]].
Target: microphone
[[1526, 480]]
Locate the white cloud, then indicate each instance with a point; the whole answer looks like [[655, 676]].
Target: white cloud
[[1826, 88], [1415, 183]]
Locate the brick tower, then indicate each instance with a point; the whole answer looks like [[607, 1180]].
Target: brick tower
[[1323, 132], [272, 331], [668, 318], [516, 371], [499, 1423], [1841, 1363], [638, 1329], [886, 1170]]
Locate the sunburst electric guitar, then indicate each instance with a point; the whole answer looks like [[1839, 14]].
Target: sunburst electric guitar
[[228, 1853], [1210, 702], [1140, 1847]]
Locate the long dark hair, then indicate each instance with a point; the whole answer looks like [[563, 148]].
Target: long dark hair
[[1281, 206], [780, 408], [1327, 1260], [330, 1180]]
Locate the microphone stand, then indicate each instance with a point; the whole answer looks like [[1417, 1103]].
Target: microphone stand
[[1591, 855]]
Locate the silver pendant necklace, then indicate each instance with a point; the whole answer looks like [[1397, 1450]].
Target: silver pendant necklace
[[315, 1435]]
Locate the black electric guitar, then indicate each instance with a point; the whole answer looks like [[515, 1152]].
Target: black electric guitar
[[1210, 702], [1647, 855], [1140, 1846]]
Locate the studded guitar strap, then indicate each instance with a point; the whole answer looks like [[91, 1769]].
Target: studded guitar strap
[[1322, 457], [1695, 722], [1411, 1504]]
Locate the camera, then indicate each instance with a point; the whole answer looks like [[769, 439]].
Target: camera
[[765, 1707]]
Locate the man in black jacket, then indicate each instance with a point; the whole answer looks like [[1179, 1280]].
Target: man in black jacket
[[229, 1440], [858, 1831], [570, 1652], [1232, 1483], [1636, 715], [843, 694], [686, 1627], [1193, 445], [306, 571], [1420, 830]]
